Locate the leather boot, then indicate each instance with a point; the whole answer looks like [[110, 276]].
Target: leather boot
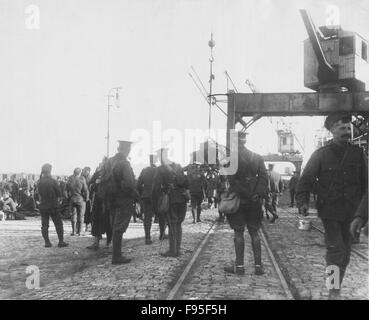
[[74, 227], [45, 235], [147, 234], [198, 214], [78, 228], [60, 233], [162, 231], [117, 257], [256, 249], [239, 245], [172, 242], [193, 215]]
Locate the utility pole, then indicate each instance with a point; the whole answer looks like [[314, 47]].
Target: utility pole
[[211, 44], [110, 95]]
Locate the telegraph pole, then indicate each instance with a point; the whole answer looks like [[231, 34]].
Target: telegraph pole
[[211, 44]]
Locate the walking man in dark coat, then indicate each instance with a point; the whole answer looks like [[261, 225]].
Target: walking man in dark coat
[[250, 183], [339, 170], [144, 187], [197, 186], [122, 199], [100, 220], [292, 185], [275, 189], [170, 179], [49, 195]]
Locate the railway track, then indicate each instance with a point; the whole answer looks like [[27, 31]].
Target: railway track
[[187, 270]]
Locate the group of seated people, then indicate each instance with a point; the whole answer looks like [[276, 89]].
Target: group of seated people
[[16, 201]]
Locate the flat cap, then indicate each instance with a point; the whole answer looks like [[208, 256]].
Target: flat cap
[[334, 117]]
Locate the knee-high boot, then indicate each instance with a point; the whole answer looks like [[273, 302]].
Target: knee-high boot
[[172, 242], [193, 215], [45, 235], [239, 245], [256, 249], [74, 226], [147, 228], [60, 232], [117, 257], [198, 213]]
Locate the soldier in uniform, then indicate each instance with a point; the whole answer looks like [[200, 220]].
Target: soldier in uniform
[[86, 175], [292, 186], [275, 189], [197, 186], [79, 194], [250, 183], [339, 170], [49, 194], [122, 199], [144, 188], [170, 179]]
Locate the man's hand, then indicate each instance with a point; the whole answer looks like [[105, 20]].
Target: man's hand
[[355, 226], [304, 209]]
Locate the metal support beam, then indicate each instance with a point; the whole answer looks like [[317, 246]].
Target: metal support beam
[[297, 104], [293, 104]]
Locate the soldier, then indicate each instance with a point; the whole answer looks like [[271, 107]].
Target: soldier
[[275, 189], [78, 192], [339, 171], [197, 185], [250, 183], [49, 195], [144, 188], [86, 175], [292, 186], [100, 219], [170, 179], [122, 199]]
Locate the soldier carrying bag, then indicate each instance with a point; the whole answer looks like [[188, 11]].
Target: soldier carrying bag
[[229, 201]]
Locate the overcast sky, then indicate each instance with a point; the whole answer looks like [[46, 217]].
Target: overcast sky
[[53, 79]]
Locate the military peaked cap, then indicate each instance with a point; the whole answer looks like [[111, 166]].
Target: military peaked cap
[[334, 117]]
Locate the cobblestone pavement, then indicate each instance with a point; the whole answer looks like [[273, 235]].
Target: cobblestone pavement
[[208, 280], [78, 273], [301, 257]]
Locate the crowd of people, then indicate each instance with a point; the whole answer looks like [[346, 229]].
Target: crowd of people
[[107, 200]]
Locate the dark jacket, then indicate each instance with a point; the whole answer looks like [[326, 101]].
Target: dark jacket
[[77, 189], [339, 187], [124, 181], [292, 185], [145, 182], [196, 181], [170, 179], [251, 177], [48, 192]]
